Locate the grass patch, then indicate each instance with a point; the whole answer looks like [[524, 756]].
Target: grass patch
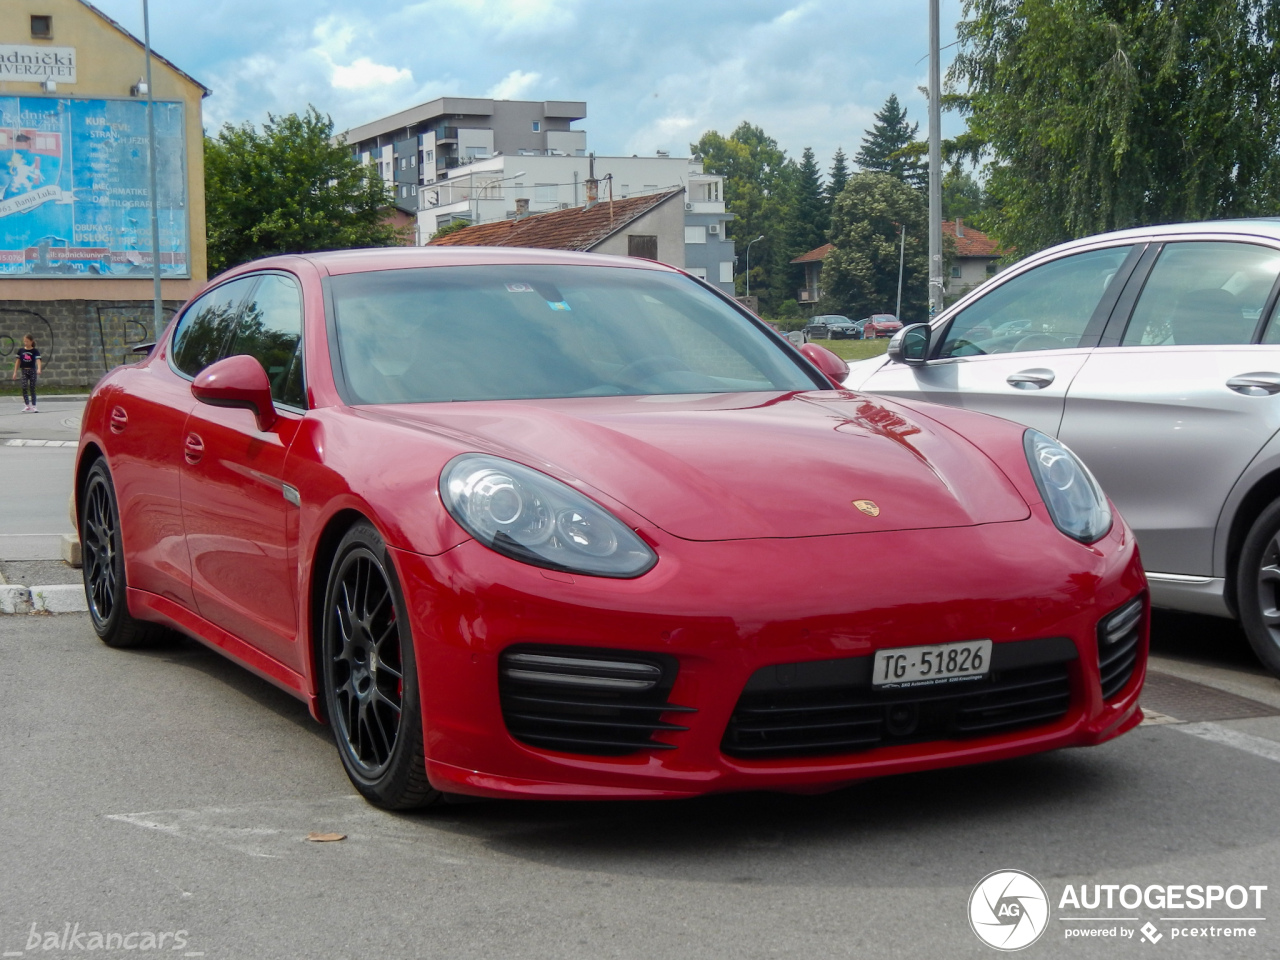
[[856, 349], [13, 388]]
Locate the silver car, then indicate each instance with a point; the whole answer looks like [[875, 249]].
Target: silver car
[[1155, 355]]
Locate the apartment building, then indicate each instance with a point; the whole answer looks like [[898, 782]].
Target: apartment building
[[416, 146]]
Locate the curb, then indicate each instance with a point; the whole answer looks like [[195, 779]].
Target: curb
[[50, 598]]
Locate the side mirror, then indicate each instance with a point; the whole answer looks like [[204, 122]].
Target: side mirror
[[826, 361], [237, 381], [910, 345]]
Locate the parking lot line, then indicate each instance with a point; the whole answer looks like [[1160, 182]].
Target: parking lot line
[[1217, 733]]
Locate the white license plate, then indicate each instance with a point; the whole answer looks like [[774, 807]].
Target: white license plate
[[922, 666]]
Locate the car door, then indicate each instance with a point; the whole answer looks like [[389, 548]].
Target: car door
[[1014, 351], [240, 517], [1169, 417], [146, 417]]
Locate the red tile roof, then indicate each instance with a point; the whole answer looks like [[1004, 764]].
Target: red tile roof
[[818, 253], [577, 228], [974, 243]]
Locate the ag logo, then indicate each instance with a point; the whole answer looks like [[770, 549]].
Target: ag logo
[[1008, 910]]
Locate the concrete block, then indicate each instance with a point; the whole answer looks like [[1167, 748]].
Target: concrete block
[[15, 598], [59, 598], [71, 549]]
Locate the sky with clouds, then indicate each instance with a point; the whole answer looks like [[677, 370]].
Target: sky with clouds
[[655, 74]]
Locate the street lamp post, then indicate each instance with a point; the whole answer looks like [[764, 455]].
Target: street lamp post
[[902, 255], [761, 237], [156, 295]]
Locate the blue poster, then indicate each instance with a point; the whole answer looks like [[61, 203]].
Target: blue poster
[[75, 199]]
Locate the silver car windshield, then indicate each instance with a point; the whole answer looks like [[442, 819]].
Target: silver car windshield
[[509, 332]]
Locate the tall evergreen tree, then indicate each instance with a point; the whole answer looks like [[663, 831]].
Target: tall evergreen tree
[[837, 178], [884, 146]]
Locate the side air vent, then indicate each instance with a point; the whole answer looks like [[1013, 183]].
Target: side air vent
[[1119, 634], [587, 700]]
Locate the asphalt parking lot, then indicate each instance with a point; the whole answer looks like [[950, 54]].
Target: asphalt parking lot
[[169, 793]]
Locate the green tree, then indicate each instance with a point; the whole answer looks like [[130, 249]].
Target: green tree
[[289, 189], [860, 275], [886, 147], [837, 178], [1102, 114], [962, 195], [758, 179]]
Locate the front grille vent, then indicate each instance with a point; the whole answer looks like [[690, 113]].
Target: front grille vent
[[585, 700], [1119, 635], [830, 707]]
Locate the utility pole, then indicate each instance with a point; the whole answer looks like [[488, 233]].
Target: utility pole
[[156, 294], [935, 164]]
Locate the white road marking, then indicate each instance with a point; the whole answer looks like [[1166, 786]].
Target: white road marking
[[1217, 733], [42, 443]]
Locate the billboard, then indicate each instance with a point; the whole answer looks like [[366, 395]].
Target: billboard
[[74, 190]]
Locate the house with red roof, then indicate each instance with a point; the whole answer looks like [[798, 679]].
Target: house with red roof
[[650, 226], [976, 258]]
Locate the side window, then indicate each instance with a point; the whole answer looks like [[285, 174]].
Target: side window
[[205, 325], [1203, 292], [269, 329], [1046, 308]]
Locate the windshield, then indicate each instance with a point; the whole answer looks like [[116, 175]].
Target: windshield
[[514, 332]]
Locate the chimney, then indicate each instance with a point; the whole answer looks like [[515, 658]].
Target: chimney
[[522, 207], [959, 227], [593, 192]]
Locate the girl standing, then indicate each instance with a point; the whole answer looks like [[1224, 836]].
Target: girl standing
[[29, 362]]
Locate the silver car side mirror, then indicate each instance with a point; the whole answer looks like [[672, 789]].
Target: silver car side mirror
[[910, 345]]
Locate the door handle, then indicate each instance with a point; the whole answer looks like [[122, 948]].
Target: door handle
[[119, 419], [1036, 379], [1262, 384], [193, 448]]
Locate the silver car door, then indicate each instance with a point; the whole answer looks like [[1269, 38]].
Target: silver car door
[[1170, 417], [1015, 350]]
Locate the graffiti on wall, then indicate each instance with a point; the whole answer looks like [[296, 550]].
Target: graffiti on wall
[[120, 329], [16, 324]]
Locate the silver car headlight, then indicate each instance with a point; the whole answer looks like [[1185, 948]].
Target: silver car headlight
[[1075, 501], [533, 518]]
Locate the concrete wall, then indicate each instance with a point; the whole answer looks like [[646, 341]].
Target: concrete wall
[[666, 222], [79, 340]]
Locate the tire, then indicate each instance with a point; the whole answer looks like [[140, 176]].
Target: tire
[[1258, 587], [102, 567], [369, 673]]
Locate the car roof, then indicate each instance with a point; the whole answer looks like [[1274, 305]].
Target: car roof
[[338, 262], [1262, 227]]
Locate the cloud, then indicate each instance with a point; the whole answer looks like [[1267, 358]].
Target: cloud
[[364, 73], [514, 86]]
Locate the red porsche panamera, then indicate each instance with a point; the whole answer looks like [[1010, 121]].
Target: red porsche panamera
[[537, 524]]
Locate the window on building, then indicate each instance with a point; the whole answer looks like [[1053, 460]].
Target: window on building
[[992, 269], [626, 190], [642, 246], [955, 273], [41, 26], [546, 192], [695, 234], [726, 271], [431, 156], [699, 272], [537, 126]]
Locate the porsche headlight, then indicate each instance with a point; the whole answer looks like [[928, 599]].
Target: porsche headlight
[[536, 519], [1075, 501]]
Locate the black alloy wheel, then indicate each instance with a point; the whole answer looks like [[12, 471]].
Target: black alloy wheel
[[370, 677], [102, 566], [1258, 587]]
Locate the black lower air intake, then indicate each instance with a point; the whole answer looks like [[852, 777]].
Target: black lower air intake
[[1119, 635], [587, 700]]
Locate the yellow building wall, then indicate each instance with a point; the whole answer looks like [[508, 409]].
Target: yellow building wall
[[108, 64]]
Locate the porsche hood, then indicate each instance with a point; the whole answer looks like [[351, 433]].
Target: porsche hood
[[739, 466]]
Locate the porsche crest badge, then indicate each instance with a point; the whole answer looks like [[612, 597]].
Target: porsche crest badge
[[868, 507]]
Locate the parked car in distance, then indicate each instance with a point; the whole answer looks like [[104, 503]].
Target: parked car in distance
[[1154, 354], [832, 327], [501, 518], [880, 325]]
